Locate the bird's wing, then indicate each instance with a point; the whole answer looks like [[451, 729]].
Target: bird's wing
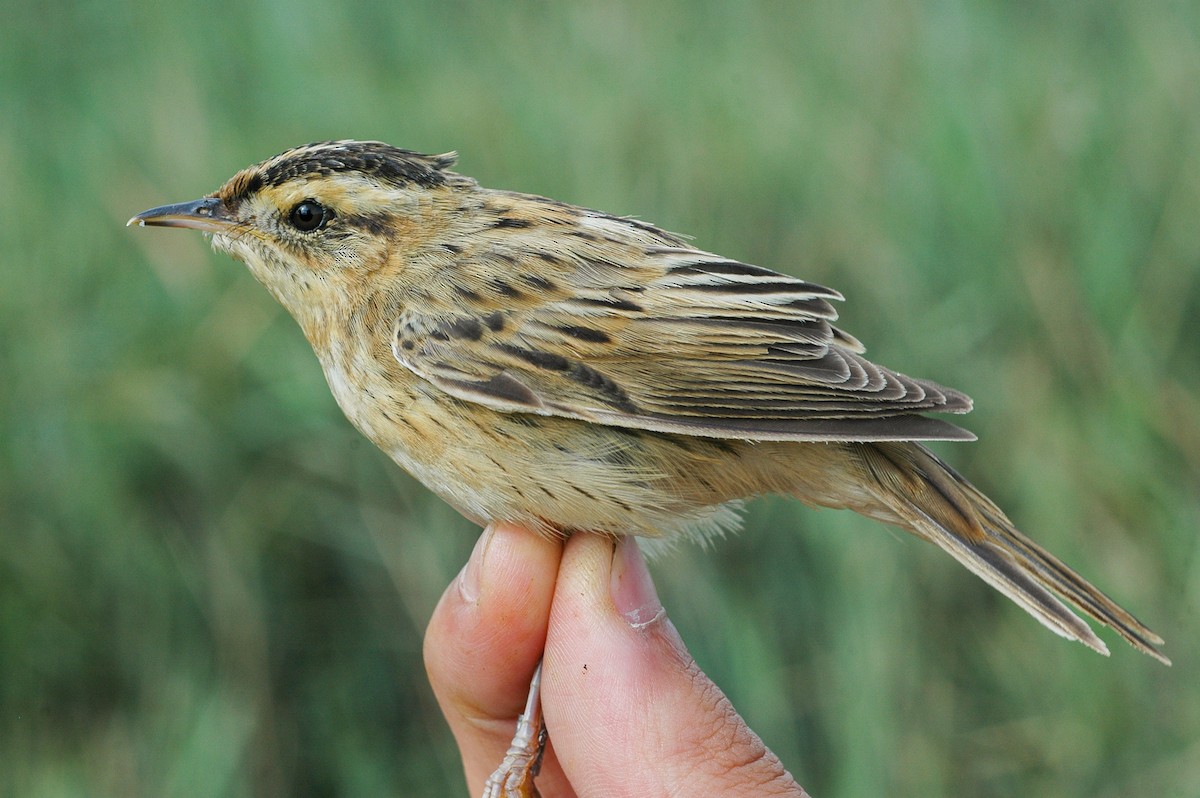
[[620, 327]]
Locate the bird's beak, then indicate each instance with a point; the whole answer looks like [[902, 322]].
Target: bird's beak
[[208, 214]]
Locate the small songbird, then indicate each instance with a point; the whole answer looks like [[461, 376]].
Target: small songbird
[[564, 369]]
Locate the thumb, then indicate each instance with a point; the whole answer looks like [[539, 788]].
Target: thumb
[[629, 711]]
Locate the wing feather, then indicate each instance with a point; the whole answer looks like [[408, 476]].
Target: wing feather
[[638, 330]]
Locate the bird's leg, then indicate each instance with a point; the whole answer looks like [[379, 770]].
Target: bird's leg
[[514, 777]]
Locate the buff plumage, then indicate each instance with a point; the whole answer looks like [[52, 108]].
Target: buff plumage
[[561, 368]]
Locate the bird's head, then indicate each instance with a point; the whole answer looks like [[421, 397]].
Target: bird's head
[[312, 222]]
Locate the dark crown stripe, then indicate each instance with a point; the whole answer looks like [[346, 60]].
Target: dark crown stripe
[[374, 159]]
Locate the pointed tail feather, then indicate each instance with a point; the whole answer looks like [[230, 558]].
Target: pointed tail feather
[[939, 505]]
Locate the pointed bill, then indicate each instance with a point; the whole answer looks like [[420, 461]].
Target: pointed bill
[[208, 214]]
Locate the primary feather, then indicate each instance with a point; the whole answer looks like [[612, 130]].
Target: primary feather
[[651, 334]]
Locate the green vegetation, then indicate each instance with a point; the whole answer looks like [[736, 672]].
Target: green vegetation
[[210, 585]]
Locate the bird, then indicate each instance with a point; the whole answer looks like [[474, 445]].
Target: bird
[[565, 369]]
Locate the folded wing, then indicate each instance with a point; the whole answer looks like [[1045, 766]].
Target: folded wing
[[664, 338]]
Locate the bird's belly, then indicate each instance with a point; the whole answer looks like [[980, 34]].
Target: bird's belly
[[561, 475], [548, 473]]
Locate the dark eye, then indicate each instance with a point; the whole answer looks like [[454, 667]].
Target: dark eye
[[309, 215]]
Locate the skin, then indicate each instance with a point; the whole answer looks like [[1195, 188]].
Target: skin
[[608, 644]]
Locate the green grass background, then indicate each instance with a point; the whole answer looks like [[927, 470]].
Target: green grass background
[[210, 585]]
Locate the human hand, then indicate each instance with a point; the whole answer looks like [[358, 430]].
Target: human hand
[[629, 711]]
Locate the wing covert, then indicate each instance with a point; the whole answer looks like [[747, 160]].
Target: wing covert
[[655, 335]]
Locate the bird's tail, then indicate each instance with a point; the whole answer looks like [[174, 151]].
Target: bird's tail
[[937, 504]]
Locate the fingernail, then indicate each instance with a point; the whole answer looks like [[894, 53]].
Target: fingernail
[[468, 578], [632, 589]]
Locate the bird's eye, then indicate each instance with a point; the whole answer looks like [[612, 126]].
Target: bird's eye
[[309, 215]]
